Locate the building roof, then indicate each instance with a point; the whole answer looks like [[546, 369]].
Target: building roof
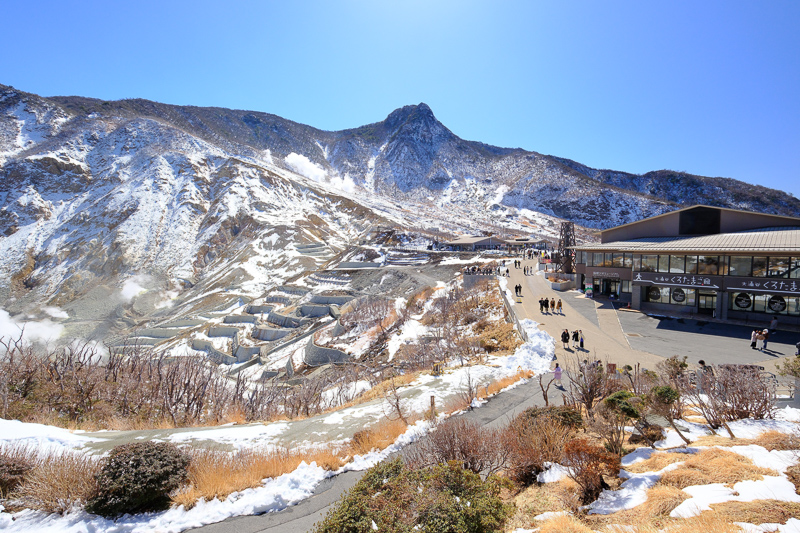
[[472, 240], [691, 207], [778, 239]]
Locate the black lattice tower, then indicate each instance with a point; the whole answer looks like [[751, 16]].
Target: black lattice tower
[[566, 253]]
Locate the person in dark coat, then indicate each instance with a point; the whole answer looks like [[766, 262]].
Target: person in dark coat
[[565, 339]]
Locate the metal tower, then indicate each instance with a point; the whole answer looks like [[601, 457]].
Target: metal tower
[[566, 254]]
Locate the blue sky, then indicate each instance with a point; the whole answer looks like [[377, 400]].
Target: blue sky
[[711, 88]]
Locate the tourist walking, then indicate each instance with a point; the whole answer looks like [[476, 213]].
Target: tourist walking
[[580, 335], [552, 305], [753, 339], [575, 338], [557, 376], [558, 307], [760, 341], [565, 339], [765, 333], [773, 325]]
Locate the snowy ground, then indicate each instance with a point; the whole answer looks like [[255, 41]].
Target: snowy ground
[[288, 489], [633, 491]]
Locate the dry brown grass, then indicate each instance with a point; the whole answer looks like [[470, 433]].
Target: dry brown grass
[[705, 523], [656, 462], [538, 499], [714, 465], [380, 390], [775, 440], [498, 337], [58, 481], [661, 500], [771, 440], [217, 473], [379, 436], [564, 524], [758, 511], [496, 386], [793, 473]]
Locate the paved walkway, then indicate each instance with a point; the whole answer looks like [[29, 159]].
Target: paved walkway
[[629, 337], [602, 332]]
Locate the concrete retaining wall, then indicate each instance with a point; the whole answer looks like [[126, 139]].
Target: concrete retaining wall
[[278, 300], [314, 311], [244, 353], [327, 300], [213, 354], [287, 321], [318, 356], [240, 319], [259, 309], [222, 331], [288, 289], [183, 323], [356, 265], [270, 334]]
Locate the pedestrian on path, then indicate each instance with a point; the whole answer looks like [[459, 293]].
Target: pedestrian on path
[[765, 333], [558, 307], [575, 337], [773, 325], [557, 376], [760, 341], [552, 305], [580, 334], [565, 339], [754, 339]]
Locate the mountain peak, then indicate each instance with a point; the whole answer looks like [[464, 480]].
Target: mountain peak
[[410, 113]]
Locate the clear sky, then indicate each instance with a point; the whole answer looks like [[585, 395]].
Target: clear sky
[[707, 87]]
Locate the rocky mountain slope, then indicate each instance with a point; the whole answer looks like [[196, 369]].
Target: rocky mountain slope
[[99, 200]]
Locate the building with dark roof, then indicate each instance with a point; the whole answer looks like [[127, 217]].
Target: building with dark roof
[[700, 260]]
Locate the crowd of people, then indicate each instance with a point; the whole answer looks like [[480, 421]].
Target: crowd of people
[[576, 336], [550, 306]]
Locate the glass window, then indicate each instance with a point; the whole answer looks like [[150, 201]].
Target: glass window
[[681, 296], [794, 305], [607, 260], [741, 301], [759, 267], [597, 259], [627, 261], [778, 267], [760, 303], [723, 266], [637, 262], [616, 260], [707, 265], [663, 263], [794, 269], [626, 286], [691, 264], [741, 266], [649, 263], [677, 263]]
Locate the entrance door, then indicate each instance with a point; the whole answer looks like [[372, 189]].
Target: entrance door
[[706, 303], [610, 286]]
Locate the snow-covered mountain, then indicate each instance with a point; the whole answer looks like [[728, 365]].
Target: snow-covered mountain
[[103, 200]]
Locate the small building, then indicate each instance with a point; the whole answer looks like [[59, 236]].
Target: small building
[[471, 244], [700, 260], [526, 243]]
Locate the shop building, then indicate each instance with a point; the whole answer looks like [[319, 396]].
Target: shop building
[[700, 260]]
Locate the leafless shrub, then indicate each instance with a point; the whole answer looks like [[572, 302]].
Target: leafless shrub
[[533, 441], [476, 448], [588, 385], [731, 392]]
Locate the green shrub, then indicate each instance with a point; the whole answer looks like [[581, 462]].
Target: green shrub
[[138, 477], [441, 499], [567, 416]]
